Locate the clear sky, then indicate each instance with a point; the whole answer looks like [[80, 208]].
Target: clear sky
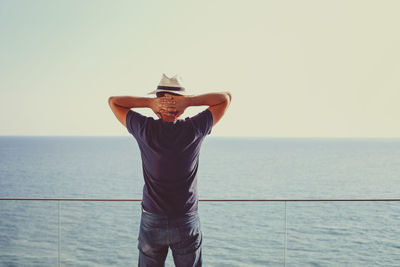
[[294, 68]]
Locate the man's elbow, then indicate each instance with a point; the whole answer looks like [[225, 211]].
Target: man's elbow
[[230, 96], [227, 100]]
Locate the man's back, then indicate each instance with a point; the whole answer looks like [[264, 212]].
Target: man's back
[[170, 156]]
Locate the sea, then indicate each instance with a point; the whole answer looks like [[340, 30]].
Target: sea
[[235, 233]]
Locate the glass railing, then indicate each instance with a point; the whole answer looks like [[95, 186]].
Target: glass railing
[[236, 232]]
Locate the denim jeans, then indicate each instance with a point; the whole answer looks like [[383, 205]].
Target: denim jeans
[[157, 233]]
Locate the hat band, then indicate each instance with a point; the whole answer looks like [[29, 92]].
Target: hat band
[[170, 88]]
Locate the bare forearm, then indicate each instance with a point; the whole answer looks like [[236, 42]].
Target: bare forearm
[[210, 99], [130, 101]]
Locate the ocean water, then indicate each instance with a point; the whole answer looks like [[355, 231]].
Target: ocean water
[[34, 233]]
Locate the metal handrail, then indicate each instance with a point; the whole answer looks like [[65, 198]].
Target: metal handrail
[[212, 200]]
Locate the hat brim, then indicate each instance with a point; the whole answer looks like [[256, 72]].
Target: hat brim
[[168, 91]]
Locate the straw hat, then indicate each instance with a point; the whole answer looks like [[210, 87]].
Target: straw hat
[[170, 85]]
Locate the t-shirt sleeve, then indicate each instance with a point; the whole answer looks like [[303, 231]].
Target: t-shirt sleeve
[[135, 122], [203, 122]]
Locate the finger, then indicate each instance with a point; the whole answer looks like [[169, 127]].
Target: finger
[[167, 106], [170, 101]]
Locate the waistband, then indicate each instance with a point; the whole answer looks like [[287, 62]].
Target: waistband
[[165, 216]]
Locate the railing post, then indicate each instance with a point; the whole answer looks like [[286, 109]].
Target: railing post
[[59, 233], [285, 238]]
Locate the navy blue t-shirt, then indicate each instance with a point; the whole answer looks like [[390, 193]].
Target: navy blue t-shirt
[[170, 159]]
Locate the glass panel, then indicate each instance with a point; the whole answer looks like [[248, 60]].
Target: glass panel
[[28, 233], [99, 233], [343, 233], [242, 233]]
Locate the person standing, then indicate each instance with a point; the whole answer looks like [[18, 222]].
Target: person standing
[[170, 148]]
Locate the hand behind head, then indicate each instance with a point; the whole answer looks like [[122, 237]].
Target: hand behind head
[[180, 103], [169, 107]]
